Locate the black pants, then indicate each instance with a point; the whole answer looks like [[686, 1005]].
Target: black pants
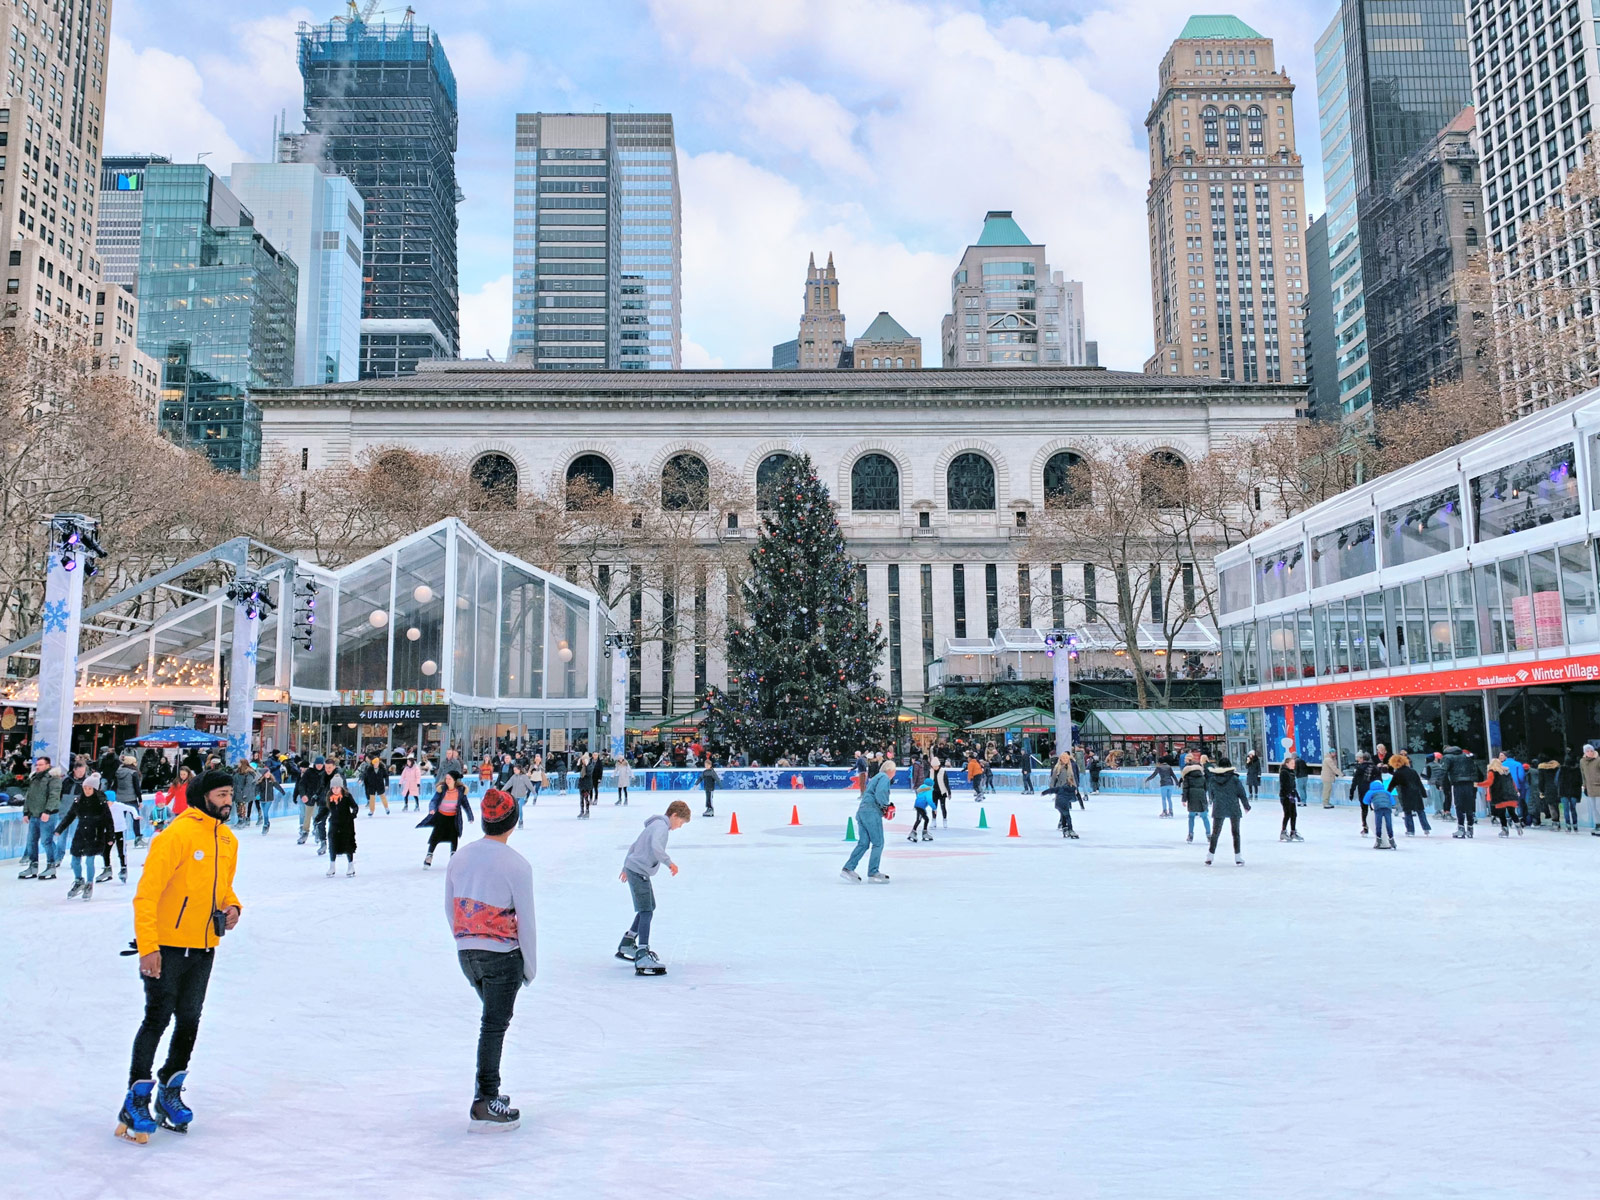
[[708, 792], [920, 821], [1216, 830], [1066, 817], [122, 851], [1288, 803], [1027, 781], [496, 976], [1466, 803], [445, 830], [180, 992]]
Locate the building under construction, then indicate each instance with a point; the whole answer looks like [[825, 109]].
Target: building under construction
[[380, 103]]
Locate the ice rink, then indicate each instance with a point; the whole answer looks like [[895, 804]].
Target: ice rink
[[1009, 1017]]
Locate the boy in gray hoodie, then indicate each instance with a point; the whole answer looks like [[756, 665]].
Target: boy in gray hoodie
[[644, 859]]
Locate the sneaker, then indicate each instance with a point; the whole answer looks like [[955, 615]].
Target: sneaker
[[493, 1116], [877, 877], [77, 889], [849, 876]]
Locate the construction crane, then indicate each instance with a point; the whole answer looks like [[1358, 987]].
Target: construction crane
[[364, 14]]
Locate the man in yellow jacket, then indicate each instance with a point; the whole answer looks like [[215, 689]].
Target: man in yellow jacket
[[184, 905]]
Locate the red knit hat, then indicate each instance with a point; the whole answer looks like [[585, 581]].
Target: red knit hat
[[498, 810]]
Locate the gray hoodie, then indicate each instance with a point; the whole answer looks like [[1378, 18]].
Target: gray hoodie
[[649, 849]]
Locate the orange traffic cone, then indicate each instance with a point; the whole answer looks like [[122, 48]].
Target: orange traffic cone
[[1013, 832], [734, 826], [794, 815]]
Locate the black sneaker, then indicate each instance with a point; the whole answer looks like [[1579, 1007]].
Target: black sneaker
[[493, 1115]]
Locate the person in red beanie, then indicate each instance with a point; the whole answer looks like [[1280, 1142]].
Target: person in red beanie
[[488, 900]]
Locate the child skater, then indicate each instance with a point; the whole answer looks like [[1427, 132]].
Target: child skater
[[924, 812], [342, 813], [644, 859]]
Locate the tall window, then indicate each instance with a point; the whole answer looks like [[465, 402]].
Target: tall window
[[1163, 479], [958, 597], [1208, 119], [926, 572], [1158, 595], [969, 483], [1254, 126], [875, 484], [991, 595], [1230, 126], [1066, 481], [896, 684], [1091, 601], [494, 484], [767, 481], [699, 634], [685, 484], [1024, 596], [636, 627], [669, 639], [589, 478]]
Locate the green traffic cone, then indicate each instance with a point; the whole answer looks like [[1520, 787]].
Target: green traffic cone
[[983, 818], [849, 829]]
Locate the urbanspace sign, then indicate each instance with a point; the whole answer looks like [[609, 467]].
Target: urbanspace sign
[[1581, 669]]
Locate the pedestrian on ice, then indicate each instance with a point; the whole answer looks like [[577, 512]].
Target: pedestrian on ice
[[1094, 771], [410, 785], [488, 900], [1408, 786], [1503, 797], [1360, 778], [537, 776], [311, 789], [1463, 776], [923, 807], [1252, 774], [184, 904], [41, 806], [92, 837], [1064, 790], [1028, 763], [1192, 783], [1381, 801], [1439, 784], [518, 788], [975, 775], [875, 807], [445, 813], [124, 820], [1288, 799], [644, 858], [342, 813], [622, 776], [1227, 799], [1167, 781], [708, 783], [1330, 778], [1569, 786], [375, 782]]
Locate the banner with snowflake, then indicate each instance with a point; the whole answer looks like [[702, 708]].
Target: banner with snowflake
[[62, 621]]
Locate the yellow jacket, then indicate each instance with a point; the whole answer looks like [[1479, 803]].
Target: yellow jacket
[[188, 875]]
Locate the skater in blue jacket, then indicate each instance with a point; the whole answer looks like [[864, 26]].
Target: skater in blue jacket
[[924, 807], [1381, 801], [875, 803]]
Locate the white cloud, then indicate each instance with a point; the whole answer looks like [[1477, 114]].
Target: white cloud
[[156, 104], [486, 319], [259, 77], [790, 116], [483, 72]]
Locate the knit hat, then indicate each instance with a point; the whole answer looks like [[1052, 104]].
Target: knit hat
[[92, 781], [199, 792], [498, 810]]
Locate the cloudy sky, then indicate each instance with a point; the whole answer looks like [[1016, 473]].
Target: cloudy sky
[[880, 130]]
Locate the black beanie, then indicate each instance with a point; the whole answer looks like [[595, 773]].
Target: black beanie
[[199, 793]]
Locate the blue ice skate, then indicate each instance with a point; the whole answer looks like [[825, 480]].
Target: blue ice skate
[[134, 1122], [170, 1108]]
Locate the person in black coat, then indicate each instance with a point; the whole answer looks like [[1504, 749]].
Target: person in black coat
[[1252, 774], [1569, 787], [92, 837], [1413, 793], [1361, 775], [342, 813], [1227, 798], [445, 814], [1289, 799], [1194, 788]]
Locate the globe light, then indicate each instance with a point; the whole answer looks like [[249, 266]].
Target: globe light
[[413, 634], [422, 593], [565, 654], [429, 667], [378, 618]]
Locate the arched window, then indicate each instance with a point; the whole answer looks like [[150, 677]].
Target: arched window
[[1472, 236], [969, 483], [589, 478], [1066, 481], [899, 362], [1230, 122], [1164, 479], [875, 484], [1254, 125], [1208, 119], [685, 484], [767, 475], [875, 363], [494, 484]]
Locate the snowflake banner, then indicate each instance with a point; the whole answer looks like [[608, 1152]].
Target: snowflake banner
[[61, 620], [242, 681]]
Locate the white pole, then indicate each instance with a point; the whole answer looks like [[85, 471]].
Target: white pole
[[620, 651], [1063, 689], [242, 666], [62, 620]]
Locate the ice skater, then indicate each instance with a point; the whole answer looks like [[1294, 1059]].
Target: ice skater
[[1289, 798], [940, 778], [1360, 778], [342, 813], [410, 786], [1381, 801], [1463, 777], [1192, 781], [1227, 798], [1569, 786], [1063, 789], [1252, 774], [92, 837], [923, 806], [1413, 792], [519, 788], [124, 820], [874, 809], [488, 900], [445, 812], [708, 783], [1167, 782], [644, 858], [184, 904], [375, 782], [622, 776], [1503, 800]]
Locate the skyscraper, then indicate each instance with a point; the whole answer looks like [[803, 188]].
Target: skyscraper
[[380, 103], [1389, 79], [317, 220], [216, 308], [1008, 308], [822, 338], [597, 242], [116, 240], [1227, 271]]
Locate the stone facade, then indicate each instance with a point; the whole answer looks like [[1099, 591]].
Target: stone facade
[[822, 338], [885, 344], [913, 544]]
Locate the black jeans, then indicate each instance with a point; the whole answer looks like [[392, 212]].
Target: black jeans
[[180, 992], [708, 792], [1216, 831], [1466, 803], [1289, 814], [496, 976]]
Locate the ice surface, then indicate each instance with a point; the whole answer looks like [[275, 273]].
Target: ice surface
[[1010, 1017]]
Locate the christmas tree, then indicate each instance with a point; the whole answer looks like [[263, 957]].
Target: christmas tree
[[805, 664]]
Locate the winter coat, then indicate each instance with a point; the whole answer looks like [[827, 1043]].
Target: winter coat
[[1589, 768], [1569, 782], [1193, 783], [940, 778], [312, 786], [876, 798], [1163, 775], [188, 875], [44, 793], [1502, 790], [708, 779], [1330, 774], [1547, 780], [244, 787], [1407, 784], [1252, 772], [1377, 795], [342, 825], [1288, 785], [411, 781], [437, 819], [1439, 774], [1361, 776], [1227, 794], [1460, 768], [129, 785], [622, 774], [93, 819], [924, 794], [374, 779]]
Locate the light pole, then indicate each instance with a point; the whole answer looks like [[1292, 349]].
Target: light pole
[[1059, 645], [73, 551], [619, 649], [251, 599]]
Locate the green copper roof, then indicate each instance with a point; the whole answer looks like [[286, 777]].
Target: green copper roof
[[1000, 230], [1202, 27], [885, 328]]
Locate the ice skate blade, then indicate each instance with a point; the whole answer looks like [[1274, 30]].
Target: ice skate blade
[[624, 957], [126, 1133], [171, 1128], [649, 970], [493, 1126]]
